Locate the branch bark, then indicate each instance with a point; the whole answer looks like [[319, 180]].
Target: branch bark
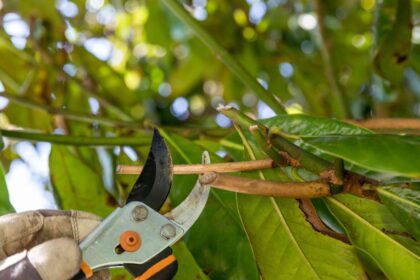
[[266, 188], [281, 150], [391, 124], [205, 168]]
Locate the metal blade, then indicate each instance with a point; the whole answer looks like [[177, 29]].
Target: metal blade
[[154, 183], [190, 209]]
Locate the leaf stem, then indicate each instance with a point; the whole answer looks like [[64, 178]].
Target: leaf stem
[[203, 168], [303, 158], [277, 147], [75, 140], [244, 76], [67, 114]]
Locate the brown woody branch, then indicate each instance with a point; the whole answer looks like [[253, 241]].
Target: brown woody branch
[[205, 168], [266, 188], [388, 124]]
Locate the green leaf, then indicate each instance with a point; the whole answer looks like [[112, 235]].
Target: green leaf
[[365, 223], [395, 154], [404, 204], [285, 245], [190, 71], [24, 117], [232, 143], [5, 206], [157, 20], [1, 142], [394, 44], [31, 10], [77, 186], [217, 240], [187, 266], [304, 125], [12, 77], [112, 85]]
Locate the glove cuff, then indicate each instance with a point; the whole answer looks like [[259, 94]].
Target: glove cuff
[[18, 267]]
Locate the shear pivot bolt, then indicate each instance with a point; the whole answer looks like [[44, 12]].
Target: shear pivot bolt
[[130, 241], [139, 213], [168, 231]]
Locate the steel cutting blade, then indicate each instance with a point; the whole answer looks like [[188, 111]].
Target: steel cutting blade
[[154, 183], [191, 208]]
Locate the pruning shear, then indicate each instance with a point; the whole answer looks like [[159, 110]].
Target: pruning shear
[[137, 236]]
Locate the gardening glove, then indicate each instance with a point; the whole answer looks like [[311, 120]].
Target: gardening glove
[[43, 244]]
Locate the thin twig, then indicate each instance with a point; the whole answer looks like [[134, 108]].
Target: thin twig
[[67, 114], [281, 150], [388, 124], [75, 140], [266, 188], [204, 168], [225, 57]]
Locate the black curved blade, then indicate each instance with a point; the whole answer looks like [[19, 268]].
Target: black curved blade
[[154, 183]]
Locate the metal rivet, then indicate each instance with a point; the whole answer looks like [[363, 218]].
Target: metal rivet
[[168, 231], [139, 213]]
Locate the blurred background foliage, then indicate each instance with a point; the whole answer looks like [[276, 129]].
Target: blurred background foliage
[[113, 69]]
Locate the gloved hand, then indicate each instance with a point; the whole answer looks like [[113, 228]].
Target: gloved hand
[[43, 245]]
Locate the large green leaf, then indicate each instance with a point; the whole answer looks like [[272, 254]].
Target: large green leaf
[[366, 223], [77, 185], [404, 204], [5, 206], [285, 245], [304, 125], [393, 39], [216, 240], [110, 82], [190, 71], [395, 154], [187, 266], [157, 20]]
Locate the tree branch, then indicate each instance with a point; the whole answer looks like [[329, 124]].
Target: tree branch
[[205, 168], [75, 140], [266, 188], [281, 150], [391, 124]]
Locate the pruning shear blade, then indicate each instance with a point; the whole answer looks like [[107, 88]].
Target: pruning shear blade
[[154, 183], [155, 231], [191, 208]]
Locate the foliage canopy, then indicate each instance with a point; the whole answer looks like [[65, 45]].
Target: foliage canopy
[[92, 77]]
